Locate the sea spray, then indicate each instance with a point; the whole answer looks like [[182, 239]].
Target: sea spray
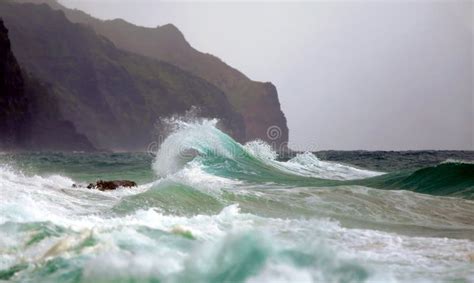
[[231, 212]]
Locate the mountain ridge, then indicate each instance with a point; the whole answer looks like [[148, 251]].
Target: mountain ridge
[[257, 102], [113, 96]]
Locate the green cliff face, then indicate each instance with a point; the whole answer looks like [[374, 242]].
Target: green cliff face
[[257, 102], [29, 117], [112, 96]]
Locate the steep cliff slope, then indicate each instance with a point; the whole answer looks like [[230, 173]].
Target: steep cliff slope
[[13, 102], [257, 102], [114, 97], [29, 117]]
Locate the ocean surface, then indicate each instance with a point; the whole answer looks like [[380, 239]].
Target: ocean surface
[[208, 209]]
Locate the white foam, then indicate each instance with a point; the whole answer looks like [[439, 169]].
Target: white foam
[[457, 161], [188, 139], [308, 164], [180, 146], [51, 198], [194, 176], [261, 150], [122, 248]]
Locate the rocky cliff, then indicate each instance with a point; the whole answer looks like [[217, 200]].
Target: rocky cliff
[[29, 118], [13, 102], [112, 96], [257, 102]]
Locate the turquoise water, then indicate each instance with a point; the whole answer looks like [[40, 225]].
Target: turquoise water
[[208, 209]]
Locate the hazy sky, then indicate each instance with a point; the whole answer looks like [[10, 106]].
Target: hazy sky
[[350, 75]]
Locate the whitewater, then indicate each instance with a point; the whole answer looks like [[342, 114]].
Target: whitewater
[[208, 209]]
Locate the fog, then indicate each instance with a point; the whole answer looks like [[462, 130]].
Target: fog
[[390, 75]]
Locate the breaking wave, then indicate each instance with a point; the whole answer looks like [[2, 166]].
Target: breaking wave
[[213, 210], [202, 147]]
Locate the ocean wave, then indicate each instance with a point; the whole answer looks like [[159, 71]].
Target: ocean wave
[[198, 154], [458, 161], [227, 246], [218, 217], [218, 154], [449, 178], [221, 211]]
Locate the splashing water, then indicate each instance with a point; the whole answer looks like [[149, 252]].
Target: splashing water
[[209, 209]]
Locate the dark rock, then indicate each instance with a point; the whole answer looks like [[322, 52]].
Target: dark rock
[[13, 102], [111, 185], [29, 115]]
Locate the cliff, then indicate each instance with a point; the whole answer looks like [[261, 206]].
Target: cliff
[[257, 102], [13, 102], [29, 119], [112, 96]]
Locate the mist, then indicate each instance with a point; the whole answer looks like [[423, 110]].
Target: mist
[[369, 75]]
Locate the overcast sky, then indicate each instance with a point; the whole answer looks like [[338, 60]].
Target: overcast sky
[[350, 75]]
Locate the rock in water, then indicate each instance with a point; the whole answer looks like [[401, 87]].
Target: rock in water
[[111, 185]]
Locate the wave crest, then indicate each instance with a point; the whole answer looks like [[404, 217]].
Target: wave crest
[[218, 154]]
